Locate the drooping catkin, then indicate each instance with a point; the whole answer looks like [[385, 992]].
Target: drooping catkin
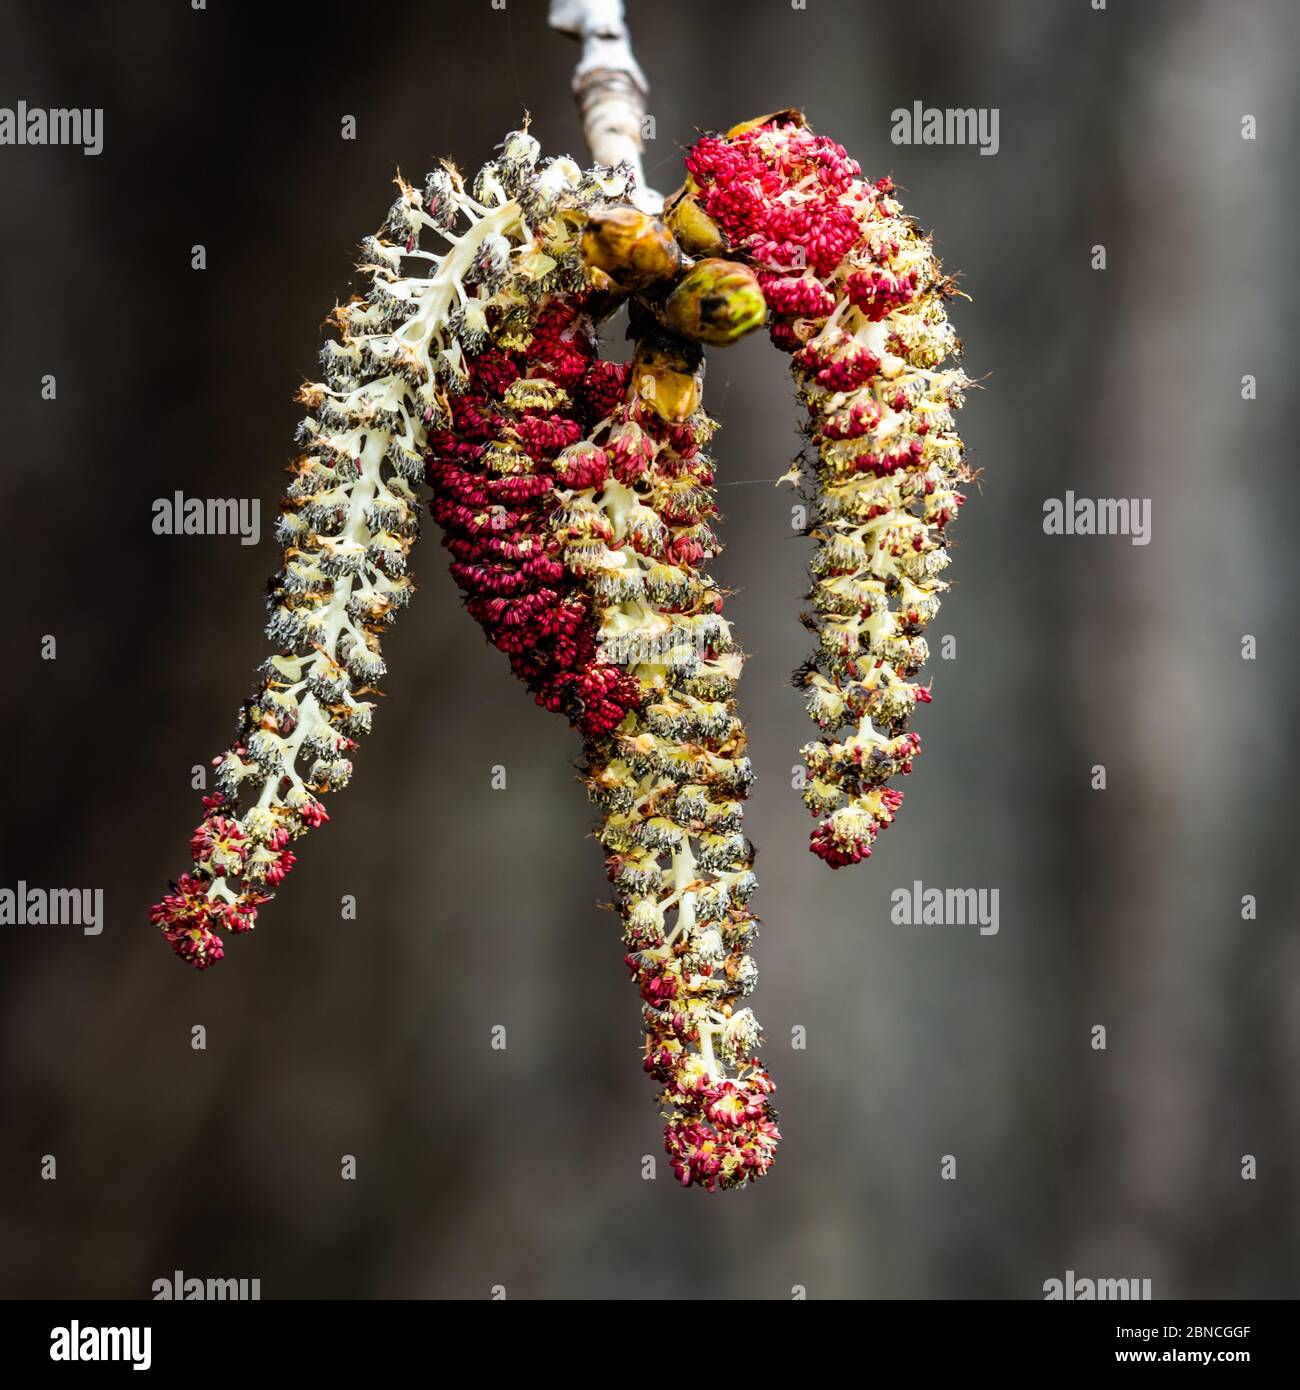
[[856, 295]]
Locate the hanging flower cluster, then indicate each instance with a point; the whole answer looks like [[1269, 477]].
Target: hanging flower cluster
[[856, 295], [671, 778], [350, 513], [576, 500]]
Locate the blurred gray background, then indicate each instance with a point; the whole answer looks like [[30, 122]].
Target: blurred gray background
[[478, 907]]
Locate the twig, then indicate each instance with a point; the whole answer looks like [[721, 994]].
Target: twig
[[609, 86]]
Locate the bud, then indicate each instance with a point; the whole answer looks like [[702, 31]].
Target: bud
[[666, 373], [716, 302], [696, 232], [632, 248]]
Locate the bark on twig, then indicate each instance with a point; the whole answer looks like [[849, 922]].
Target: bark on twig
[[609, 86]]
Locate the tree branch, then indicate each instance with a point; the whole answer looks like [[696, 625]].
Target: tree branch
[[609, 86]]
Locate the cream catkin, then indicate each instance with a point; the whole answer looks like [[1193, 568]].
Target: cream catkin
[[350, 513]]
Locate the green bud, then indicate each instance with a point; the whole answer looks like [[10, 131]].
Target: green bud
[[716, 301]]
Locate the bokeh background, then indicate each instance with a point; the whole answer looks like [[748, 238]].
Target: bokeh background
[[477, 907]]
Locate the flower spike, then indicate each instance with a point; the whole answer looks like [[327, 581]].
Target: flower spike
[[857, 297]]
